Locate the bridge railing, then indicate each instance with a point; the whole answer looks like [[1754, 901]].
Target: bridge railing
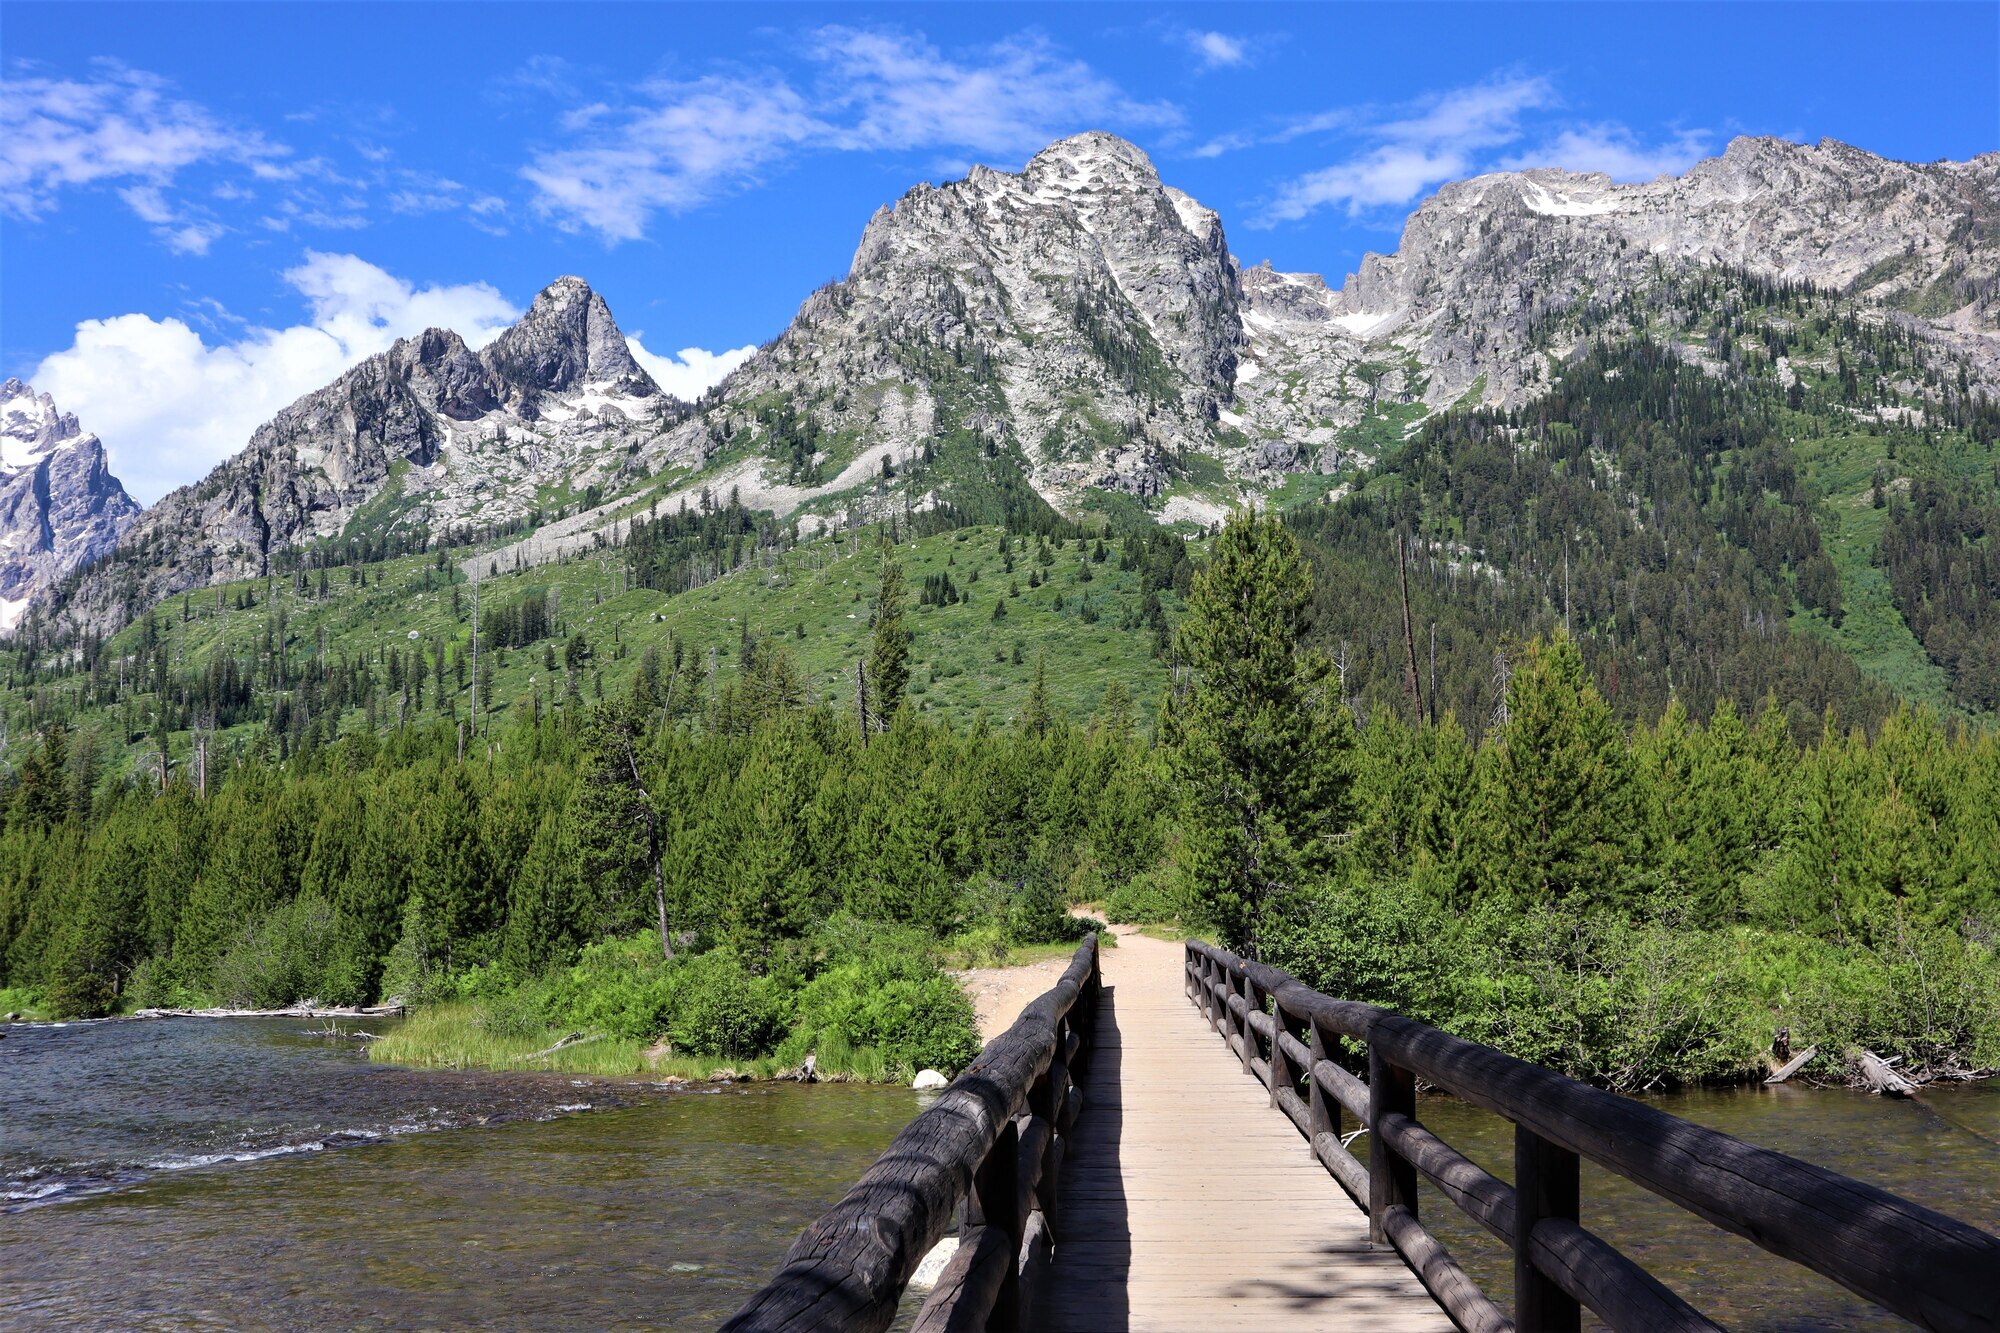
[[1927, 1267], [987, 1153]]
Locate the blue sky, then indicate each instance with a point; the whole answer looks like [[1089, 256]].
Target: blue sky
[[208, 209]]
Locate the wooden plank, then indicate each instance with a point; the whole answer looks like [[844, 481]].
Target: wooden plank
[[1793, 1065], [1188, 1203]]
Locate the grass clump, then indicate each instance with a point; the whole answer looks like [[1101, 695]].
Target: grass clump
[[26, 1001], [869, 1000]]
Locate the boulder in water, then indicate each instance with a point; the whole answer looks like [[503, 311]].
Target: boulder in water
[[929, 1078]]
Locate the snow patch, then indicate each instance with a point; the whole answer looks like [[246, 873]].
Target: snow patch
[[1188, 509], [1550, 204], [1364, 324]]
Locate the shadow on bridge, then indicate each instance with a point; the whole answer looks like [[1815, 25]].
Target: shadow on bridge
[[1085, 1288]]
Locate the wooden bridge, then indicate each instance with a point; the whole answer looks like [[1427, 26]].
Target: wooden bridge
[[1163, 1143]]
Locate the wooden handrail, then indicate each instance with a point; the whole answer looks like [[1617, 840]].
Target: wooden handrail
[[987, 1151], [1931, 1269]]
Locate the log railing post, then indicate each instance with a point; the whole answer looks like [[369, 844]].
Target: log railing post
[[1281, 1064], [1545, 1187], [1392, 1182], [1322, 1113], [1249, 1029], [997, 1190], [1045, 1102]]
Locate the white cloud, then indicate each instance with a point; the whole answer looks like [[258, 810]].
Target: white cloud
[[169, 405], [680, 144], [58, 134], [1437, 140], [899, 92], [1617, 152], [691, 373], [695, 140], [1218, 49]]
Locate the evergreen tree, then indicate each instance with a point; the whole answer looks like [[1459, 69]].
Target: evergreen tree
[[1037, 713], [1555, 793], [1262, 752], [889, 657]]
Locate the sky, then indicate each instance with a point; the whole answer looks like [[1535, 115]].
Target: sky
[[207, 210]]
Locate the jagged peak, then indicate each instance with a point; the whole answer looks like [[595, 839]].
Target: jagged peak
[[1093, 154], [568, 338]]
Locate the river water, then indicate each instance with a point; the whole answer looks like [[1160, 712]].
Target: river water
[[240, 1173], [1940, 1149], [249, 1173]]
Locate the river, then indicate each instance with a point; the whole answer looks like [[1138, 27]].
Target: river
[[240, 1173], [250, 1173]]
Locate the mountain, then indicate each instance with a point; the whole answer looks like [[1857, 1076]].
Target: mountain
[[427, 436], [1089, 322], [60, 507], [1079, 337]]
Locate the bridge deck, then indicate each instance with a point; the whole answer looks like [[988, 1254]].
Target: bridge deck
[[1188, 1203]]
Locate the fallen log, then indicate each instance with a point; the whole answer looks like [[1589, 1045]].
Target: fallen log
[[573, 1039], [1880, 1078]]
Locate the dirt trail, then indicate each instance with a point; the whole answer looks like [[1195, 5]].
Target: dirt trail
[[999, 994]]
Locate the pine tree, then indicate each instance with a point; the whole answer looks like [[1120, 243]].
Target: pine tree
[[1261, 751], [1556, 794], [1037, 713], [889, 658]]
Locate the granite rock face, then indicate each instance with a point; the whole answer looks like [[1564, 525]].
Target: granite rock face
[[1090, 320], [60, 507], [1083, 327], [429, 433], [1079, 316], [1488, 266]]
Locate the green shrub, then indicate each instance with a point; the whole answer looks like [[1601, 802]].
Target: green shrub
[[1147, 897], [720, 1009], [1038, 915], [152, 985], [892, 1000], [621, 987], [305, 949]]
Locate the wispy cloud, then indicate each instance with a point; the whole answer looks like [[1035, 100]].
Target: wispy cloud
[[123, 128], [687, 144], [675, 145], [1617, 152], [1435, 140], [1217, 50], [169, 404], [1396, 154]]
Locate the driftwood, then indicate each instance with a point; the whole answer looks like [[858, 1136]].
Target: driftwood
[[1880, 1078], [573, 1039], [293, 1011], [1793, 1065]]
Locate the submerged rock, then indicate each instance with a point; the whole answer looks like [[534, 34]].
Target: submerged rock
[[929, 1078]]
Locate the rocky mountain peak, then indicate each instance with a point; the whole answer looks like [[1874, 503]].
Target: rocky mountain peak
[[60, 507], [30, 425], [1093, 158], [566, 340]]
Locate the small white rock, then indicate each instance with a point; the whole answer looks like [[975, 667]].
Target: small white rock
[[929, 1078], [932, 1268]]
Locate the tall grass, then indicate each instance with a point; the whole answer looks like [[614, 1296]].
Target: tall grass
[[460, 1036]]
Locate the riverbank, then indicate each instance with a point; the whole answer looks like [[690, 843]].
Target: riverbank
[[457, 1036], [854, 1026], [290, 1011]]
